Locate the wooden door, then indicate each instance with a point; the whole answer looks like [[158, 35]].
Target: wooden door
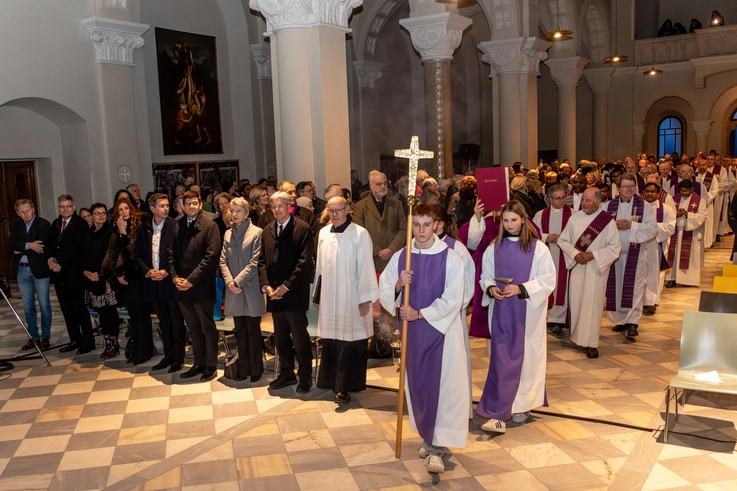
[[19, 181]]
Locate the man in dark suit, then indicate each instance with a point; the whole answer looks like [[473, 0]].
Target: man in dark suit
[[27, 236], [65, 259], [155, 240], [193, 262], [302, 213], [285, 272], [307, 189]]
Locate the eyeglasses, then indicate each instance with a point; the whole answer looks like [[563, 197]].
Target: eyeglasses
[[336, 211], [557, 198], [100, 214], [629, 186]]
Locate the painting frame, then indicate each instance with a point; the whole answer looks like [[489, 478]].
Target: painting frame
[[207, 174]]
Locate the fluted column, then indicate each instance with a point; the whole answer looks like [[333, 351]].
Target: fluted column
[[566, 72], [701, 129], [436, 36], [368, 72], [310, 84], [599, 81]]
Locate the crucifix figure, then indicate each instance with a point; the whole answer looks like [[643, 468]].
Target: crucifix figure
[[414, 154]]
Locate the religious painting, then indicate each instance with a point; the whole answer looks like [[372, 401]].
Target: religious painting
[[167, 176], [188, 93], [214, 174]]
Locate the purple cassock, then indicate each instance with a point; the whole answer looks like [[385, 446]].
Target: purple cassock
[[424, 362], [508, 333]]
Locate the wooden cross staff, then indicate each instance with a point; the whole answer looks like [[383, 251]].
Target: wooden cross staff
[[414, 154]]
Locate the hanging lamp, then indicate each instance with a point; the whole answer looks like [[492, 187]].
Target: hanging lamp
[[558, 34], [653, 71], [616, 57]]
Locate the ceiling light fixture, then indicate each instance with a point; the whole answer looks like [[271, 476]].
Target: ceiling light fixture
[[616, 57], [558, 34]]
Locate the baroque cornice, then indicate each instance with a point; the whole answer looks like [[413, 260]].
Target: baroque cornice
[[517, 55], [281, 14], [436, 36], [368, 73], [115, 40], [262, 56]]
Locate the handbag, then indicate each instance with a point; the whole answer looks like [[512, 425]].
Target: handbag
[[231, 367]]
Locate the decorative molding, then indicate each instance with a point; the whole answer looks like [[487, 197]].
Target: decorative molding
[[504, 19], [368, 73], [599, 80], [262, 55], [435, 112], [567, 71], [436, 36], [517, 55], [115, 40], [701, 128], [282, 14], [117, 4]]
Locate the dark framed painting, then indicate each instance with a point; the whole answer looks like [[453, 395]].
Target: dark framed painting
[[214, 174], [188, 93], [167, 176]]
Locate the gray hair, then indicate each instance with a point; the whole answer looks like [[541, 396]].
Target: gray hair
[[281, 195], [375, 173], [240, 202], [64, 197], [332, 190], [554, 188]]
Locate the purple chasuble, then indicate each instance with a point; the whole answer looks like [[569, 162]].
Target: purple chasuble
[[508, 322], [479, 326], [424, 362]]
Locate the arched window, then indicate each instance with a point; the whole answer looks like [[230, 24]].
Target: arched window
[[734, 116], [670, 136]]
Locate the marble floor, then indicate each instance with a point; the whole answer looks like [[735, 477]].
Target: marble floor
[[84, 424]]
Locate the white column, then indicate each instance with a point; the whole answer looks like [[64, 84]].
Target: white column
[[310, 88], [566, 72], [638, 131], [701, 129], [262, 57], [436, 36], [368, 73], [599, 81]]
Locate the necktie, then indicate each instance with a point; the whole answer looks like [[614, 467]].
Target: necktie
[[63, 225], [281, 229]]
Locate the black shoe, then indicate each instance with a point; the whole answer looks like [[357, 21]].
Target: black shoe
[[670, 284], [555, 329], [255, 379], [632, 331], [210, 373], [70, 347], [280, 382], [342, 397], [304, 387], [718, 239], [240, 378], [194, 370], [85, 348], [648, 309], [592, 353], [161, 365], [140, 361], [619, 328], [175, 367]]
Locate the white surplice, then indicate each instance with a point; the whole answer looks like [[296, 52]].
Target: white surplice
[[638, 233], [693, 222], [444, 314], [556, 313], [726, 193], [656, 248], [531, 390], [345, 262], [708, 195], [587, 282]]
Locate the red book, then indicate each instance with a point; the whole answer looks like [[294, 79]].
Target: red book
[[493, 187]]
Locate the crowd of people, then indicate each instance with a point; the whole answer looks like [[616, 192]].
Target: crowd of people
[[670, 29], [569, 244]]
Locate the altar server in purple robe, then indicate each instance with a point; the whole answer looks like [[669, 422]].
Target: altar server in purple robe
[[437, 376], [515, 383]]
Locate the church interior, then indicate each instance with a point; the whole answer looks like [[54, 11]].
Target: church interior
[[309, 91]]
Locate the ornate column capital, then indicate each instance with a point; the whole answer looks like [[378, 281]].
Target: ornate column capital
[[638, 131], [567, 71], [599, 79], [283, 14], [517, 55], [262, 55], [436, 36], [368, 73], [701, 128], [115, 40]]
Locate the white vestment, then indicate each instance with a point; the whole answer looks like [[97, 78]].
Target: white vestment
[[665, 184], [531, 391], [587, 282], [693, 222], [556, 313], [725, 192], [345, 263], [444, 314], [639, 233], [709, 195], [656, 248]]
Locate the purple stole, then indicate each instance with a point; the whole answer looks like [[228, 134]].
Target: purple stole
[[424, 360], [674, 181], [560, 289], [508, 322], [595, 228], [684, 260], [479, 325], [708, 177], [640, 182], [630, 267], [569, 200]]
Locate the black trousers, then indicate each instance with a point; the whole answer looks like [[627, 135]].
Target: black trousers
[[202, 331], [292, 340], [171, 323], [76, 315], [140, 322], [109, 320], [250, 344]]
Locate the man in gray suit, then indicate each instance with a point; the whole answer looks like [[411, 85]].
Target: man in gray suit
[[384, 219]]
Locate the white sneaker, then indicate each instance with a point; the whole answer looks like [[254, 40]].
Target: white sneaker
[[434, 464], [520, 418], [426, 449], [494, 426]]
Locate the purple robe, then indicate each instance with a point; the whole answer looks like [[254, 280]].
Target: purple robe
[[424, 362]]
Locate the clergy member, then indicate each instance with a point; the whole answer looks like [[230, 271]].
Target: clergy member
[[727, 193], [574, 196], [551, 221], [626, 283], [345, 287], [665, 216], [437, 371], [686, 245], [710, 191], [518, 277], [590, 243]]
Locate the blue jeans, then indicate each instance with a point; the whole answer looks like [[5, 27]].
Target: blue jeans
[[29, 287]]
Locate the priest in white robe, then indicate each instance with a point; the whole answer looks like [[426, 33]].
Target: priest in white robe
[[686, 245], [437, 376], [665, 216], [709, 192], [727, 184], [345, 286], [575, 195], [590, 243], [626, 283]]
